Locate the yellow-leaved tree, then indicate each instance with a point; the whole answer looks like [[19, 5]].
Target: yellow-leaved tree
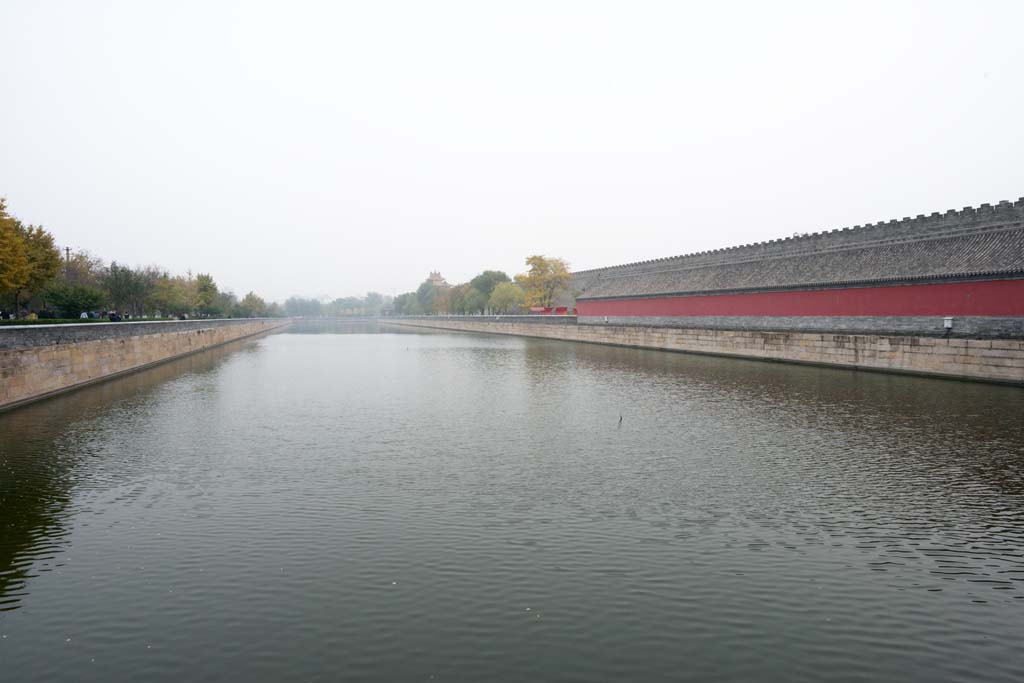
[[546, 278], [15, 267], [507, 297], [29, 260]]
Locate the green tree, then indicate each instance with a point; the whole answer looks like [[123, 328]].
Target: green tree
[[507, 297], [297, 306], [171, 296], [72, 300], [43, 259], [486, 281], [348, 305], [546, 278], [225, 303], [426, 296], [474, 300], [206, 295], [128, 289], [457, 298], [373, 303], [118, 283], [406, 304], [15, 267], [252, 306]]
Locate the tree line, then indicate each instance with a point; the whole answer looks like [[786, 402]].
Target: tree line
[[492, 291], [35, 280], [369, 305]]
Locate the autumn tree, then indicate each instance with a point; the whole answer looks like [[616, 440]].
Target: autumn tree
[[545, 279], [15, 267], [442, 299], [31, 266], [82, 269], [29, 260], [507, 297]]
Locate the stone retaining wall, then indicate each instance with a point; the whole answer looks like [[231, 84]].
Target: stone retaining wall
[[40, 360], [989, 360]]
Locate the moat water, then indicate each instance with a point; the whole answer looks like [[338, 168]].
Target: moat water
[[434, 506]]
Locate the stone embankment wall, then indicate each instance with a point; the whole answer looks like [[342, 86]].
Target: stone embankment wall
[[40, 360], [990, 360]]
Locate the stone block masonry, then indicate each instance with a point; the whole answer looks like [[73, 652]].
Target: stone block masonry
[[41, 360], [987, 360]]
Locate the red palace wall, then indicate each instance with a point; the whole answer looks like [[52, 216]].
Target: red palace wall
[[979, 298]]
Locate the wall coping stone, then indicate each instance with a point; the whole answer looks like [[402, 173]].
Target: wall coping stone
[[27, 336]]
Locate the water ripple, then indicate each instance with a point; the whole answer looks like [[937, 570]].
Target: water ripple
[[401, 506]]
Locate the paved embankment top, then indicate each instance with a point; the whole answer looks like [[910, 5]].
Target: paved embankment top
[[25, 336]]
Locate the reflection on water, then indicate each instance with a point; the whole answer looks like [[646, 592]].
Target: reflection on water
[[333, 326], [336, 503], [40, 446]]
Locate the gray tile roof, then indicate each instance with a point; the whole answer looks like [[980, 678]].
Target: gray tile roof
[[988, 240]]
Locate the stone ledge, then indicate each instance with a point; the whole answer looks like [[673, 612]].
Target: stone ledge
[[26, 336], [34, 372], [952, 358]]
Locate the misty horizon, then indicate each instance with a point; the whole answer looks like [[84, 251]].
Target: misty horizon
[[330, 151]]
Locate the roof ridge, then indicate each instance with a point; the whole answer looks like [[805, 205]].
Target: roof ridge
[[951, 234], [967, 212]]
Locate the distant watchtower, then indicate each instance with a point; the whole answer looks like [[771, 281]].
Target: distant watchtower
[[438, 280]]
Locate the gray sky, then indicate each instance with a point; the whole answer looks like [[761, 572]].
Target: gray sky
[[334, 148]]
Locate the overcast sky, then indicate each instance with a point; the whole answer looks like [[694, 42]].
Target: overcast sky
[[328, 149]]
